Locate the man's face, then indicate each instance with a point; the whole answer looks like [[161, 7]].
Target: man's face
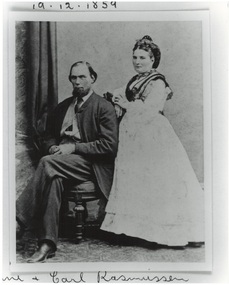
[[81, 80]]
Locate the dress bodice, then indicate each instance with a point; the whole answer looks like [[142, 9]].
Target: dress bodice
[[155, 95]]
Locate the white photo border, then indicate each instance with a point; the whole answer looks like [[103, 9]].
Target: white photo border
[[218, 132]]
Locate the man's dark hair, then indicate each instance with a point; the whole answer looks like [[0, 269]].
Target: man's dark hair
[[93, 74]]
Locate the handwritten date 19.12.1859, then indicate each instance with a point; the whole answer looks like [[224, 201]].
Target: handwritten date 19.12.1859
[[73, 6]]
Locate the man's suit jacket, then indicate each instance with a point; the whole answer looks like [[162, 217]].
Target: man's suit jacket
[[98, 127]]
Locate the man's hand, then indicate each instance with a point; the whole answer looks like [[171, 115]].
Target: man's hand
[[67, 148], [53, 149]]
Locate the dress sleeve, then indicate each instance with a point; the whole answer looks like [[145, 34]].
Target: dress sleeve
[[120, 92], [155, 96]]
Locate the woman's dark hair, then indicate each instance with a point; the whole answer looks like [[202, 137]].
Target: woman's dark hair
[[93, 74], [147, 44]]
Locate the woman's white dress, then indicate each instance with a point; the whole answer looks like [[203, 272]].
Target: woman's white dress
[[155, 194]]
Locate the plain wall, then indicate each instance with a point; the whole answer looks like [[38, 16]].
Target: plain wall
[[108, 47]]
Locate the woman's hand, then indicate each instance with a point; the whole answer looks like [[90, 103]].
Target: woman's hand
[[119, 98], [119, 111]]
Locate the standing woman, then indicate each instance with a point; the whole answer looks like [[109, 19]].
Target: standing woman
[[155, 194]]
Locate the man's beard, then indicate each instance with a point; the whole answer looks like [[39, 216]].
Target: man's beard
[[79, 92]]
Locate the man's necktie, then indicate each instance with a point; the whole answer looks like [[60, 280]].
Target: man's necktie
[[78, 104]]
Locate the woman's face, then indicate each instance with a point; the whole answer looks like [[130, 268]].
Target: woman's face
[[142, 61]]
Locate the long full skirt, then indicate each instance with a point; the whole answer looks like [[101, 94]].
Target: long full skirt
[[155, 194]]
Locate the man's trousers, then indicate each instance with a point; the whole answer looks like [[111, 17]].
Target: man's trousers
[[40, 202]]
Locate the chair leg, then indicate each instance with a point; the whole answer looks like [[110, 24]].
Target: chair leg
[[79, 220]]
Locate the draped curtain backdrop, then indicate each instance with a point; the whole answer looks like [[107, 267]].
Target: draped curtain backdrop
[[42, 95]]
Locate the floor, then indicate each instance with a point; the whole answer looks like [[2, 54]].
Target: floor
[[98, 246]]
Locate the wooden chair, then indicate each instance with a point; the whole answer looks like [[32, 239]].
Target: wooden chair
[[80, 194]]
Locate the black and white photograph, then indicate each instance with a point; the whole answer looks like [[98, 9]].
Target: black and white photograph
[[110, 128]]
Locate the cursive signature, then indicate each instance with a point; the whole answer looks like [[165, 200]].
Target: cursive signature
[[56, 279], [103, 276], [13, 278]]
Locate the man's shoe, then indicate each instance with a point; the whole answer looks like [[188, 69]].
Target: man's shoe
[[45, 251]]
